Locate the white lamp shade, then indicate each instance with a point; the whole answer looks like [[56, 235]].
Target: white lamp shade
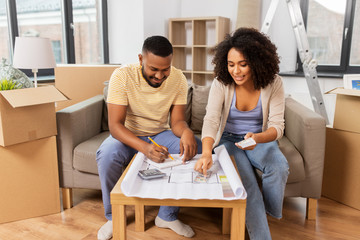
[[33, 53]]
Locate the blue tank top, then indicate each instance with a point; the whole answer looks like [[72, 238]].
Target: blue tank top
[[242, 122]]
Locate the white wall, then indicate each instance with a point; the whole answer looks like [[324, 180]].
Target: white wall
[[156, 15], [131, 21], [210, 8], [126, 30], [282, 35]]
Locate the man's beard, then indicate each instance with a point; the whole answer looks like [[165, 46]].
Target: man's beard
[[156, 85]]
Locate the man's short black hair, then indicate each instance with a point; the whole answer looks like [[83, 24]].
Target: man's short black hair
[[158, 45]]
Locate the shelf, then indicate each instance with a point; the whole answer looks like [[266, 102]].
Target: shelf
[[181, 32], [202, 60], [182, 46], [204, 32], [192, 39], [182, 58], [203, 72], [202, 79]]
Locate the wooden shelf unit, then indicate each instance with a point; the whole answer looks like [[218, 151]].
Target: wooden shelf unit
[[192, 38]]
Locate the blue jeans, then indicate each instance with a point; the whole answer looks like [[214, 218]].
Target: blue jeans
[[268, 158], [112, 158]]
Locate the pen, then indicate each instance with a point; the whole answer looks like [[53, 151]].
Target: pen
[[159, 146]]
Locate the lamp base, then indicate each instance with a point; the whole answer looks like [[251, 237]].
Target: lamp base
[[35, 75]]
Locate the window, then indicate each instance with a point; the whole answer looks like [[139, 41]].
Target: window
[[56, 46], [37, 18], [355, 49], [4, 32], [333, 37], [87, 32], [77, 28]]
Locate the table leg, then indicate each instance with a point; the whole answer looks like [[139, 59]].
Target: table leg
[[139, 218], [119, 222], [67, 198], [237, 223], [226, 220], [311, 205]]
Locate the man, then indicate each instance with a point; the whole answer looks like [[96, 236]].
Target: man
[[140, 99]]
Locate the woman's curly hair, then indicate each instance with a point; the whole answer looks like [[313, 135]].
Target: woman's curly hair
[[259, 52]]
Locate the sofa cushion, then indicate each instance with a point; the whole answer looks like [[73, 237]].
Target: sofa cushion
[[295, 160], [85, 154], [198, 107]]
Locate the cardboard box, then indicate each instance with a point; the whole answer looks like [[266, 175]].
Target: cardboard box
[[347, 109], [29, 185], [342, 167], [80, 82], [28, 114]]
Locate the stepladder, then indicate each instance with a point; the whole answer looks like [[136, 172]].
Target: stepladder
[[308, 63]]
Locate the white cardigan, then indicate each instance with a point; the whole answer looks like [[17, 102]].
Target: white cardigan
[[219, 103]]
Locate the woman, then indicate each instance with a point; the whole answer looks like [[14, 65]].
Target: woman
[[246, 100]]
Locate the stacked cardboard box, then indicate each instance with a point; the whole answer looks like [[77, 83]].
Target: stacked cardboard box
[[342, 165], [29, 185], [80, 82]]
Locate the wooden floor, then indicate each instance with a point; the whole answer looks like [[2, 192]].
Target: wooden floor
[[334, 221]]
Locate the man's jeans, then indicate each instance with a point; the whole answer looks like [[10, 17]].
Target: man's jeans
[[268, 158], [112, 158]]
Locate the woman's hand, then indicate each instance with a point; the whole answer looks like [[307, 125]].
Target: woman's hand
[[204, 163], [249, 135]]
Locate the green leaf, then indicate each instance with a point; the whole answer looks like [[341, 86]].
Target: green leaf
[[6, 84]]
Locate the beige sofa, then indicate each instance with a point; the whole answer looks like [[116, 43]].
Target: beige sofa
[[82, 127]]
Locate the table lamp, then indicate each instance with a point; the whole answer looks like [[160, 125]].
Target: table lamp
[[33, 53]]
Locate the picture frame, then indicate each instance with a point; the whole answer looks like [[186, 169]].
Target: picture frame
[[351, 81]]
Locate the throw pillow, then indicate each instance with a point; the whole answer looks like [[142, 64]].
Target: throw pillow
[[198, 108], [10, 73], [104, 122], [188, 106]]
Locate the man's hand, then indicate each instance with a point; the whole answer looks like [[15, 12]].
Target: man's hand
[[188, 145], [155, 153], [204, 163]]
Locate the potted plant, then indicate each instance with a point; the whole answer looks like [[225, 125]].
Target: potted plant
[[6, 84]]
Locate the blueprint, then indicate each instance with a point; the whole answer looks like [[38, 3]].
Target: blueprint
[[181, 182]]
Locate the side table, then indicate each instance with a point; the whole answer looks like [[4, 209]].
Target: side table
[[233, 211]]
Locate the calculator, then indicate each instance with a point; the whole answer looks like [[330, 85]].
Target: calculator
[[151, 174]]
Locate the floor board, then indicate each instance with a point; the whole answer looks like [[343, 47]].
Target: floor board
[[334, 221]]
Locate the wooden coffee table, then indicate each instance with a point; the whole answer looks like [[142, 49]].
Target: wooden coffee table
[[233, 211]]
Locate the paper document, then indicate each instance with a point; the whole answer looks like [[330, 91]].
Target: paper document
[[167, 163], [181, 177], [183, 182]]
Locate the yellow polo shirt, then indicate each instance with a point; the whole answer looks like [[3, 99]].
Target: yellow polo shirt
[[148, 108]]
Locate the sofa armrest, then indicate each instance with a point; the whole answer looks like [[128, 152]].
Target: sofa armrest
[[76, 124], [306, 130]]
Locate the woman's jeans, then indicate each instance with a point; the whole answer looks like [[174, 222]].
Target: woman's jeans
[[112, 158], [268, 158]]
